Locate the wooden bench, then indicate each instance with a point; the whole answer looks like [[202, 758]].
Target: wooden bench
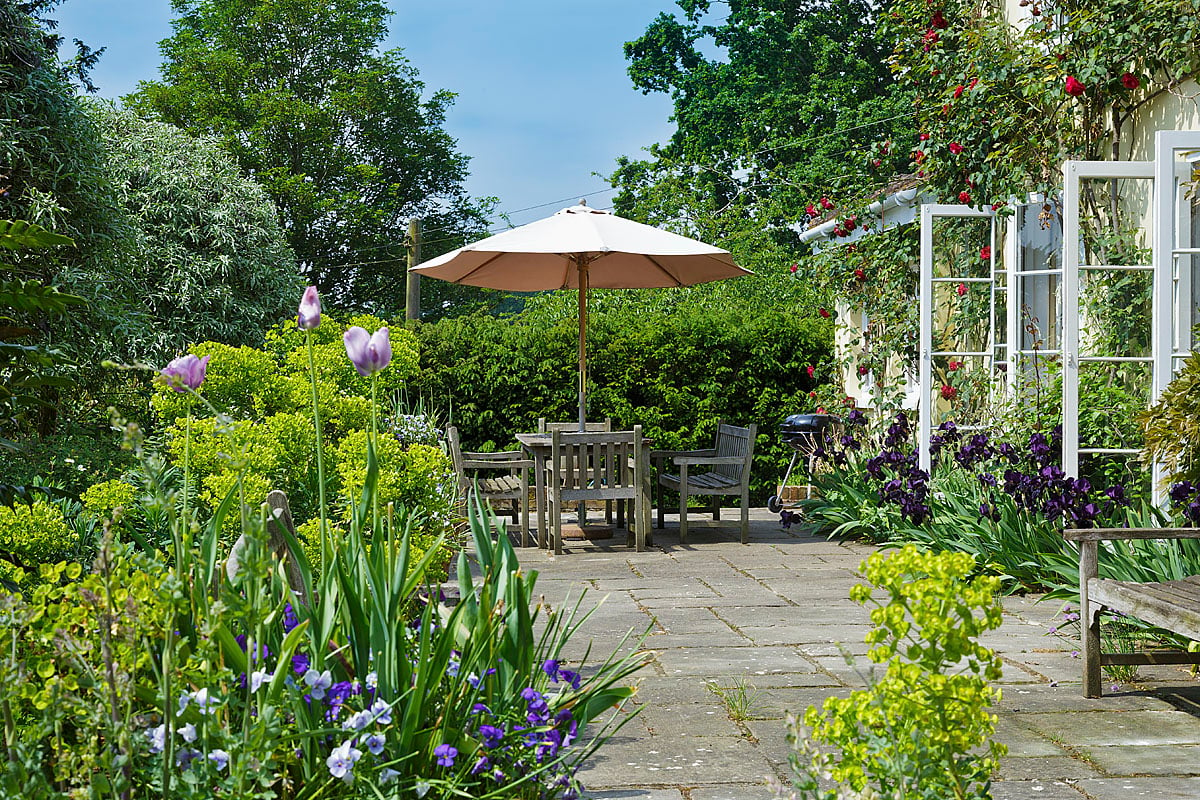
[[1172, 605], [729, 460]]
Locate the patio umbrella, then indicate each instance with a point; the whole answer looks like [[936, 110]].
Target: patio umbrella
[[579, 248]]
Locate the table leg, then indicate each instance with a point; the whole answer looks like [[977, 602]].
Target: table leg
[[539, 493]]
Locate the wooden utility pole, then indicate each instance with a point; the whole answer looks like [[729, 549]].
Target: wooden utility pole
[[412, 289]]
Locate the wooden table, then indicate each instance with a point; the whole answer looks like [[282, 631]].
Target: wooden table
[[538, 446]]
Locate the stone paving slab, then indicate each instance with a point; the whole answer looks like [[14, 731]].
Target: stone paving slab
[[774, 617]]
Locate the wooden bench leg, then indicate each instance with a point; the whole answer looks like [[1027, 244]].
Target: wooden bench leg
[[683, 498], [1090, 621], [746, 516], [716, 508]]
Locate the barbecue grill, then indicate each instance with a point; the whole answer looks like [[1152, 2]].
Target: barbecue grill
[[804, 433]]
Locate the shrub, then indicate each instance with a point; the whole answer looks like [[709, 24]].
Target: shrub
[[1172, 425], [923, 729], [418, 477], [675, 371], [30, 535]]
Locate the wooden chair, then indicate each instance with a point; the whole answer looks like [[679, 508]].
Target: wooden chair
[[729, 460], [605, 465], [588, 427], [1174, 605], [513, 485]]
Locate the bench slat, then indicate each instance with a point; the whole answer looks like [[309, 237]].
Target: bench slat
[[1149, 603]]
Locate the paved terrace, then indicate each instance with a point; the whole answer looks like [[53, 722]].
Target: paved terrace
[[773, 613]]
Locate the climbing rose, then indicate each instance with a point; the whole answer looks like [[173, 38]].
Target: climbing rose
[[962, 289], [863, 370], [954, 365], [811, 369], [938, 20], [368, 352], [823, 312], [1074, 87], [858, 273], [923, 137], [1130, 81], [309, 316], [826, 203], [808, 209], [930, 38], [964, 197], [985, 253], [956, 148], [185, 372], [958, 91], [948, 392], [794, 267]]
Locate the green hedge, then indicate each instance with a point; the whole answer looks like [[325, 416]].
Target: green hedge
[[676, 373]]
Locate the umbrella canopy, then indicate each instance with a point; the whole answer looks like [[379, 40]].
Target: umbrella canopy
[[581, 247]]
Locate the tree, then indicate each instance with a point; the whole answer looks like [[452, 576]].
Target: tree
[[337, 132], [798, 105], [205, 257], [51, 162]]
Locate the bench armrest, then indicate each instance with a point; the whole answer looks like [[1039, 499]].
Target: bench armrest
[[1107, 534], [479, 463], [709, 460], [506, 455], [662, 455]]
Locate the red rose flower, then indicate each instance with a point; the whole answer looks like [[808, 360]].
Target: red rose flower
[[948, 392], [1074, 87], [823, 312], [938, 20], [863, 369], [930, 38], [958, 90], [954, 365], [851, 223], [853, 248], [826, 203], [923, 137], [808, 209], [812, 395], [998, 205], [956, 148], [964, 197], [820, 410], [875, 163], [986, 253], [974, 82], [919, 156], [936, 72], [962, 289], [794, 267], [811, 369], [858, 273], [1130, 81]]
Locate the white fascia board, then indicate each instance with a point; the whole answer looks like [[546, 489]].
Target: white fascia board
[[895, 209]]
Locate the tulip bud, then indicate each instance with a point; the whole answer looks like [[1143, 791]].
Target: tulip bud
[[309, 316]]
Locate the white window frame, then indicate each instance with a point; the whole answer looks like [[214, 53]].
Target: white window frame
[[929, 212]]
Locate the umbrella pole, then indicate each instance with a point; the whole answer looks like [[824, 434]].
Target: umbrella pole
[[581, 265]]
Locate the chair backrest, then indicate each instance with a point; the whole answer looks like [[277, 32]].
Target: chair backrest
[[597, 465], [573, 427], [739, 442]]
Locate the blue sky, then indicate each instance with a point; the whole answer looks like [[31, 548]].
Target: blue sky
[[543, 98]]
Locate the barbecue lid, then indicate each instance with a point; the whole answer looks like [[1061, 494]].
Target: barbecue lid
[[797, 423]]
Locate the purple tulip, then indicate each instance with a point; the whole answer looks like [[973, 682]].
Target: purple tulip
[[185, 372], [310, 310], [368, 353]]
